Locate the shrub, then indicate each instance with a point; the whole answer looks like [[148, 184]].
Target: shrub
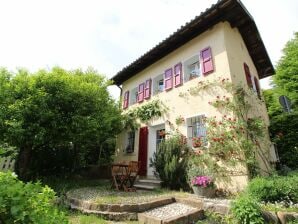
[[246, 209], [275, 189], [27, 203], [170, 162]]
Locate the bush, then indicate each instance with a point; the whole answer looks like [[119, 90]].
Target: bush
[[27, 203], [284, 131], [170, 162], [275, 189], [246, 209]]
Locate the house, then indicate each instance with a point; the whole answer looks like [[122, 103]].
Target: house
[[223, 42]]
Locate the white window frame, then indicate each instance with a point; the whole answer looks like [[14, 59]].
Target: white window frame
[[186, 64], [190, 129], [133, 98], [155, 87]]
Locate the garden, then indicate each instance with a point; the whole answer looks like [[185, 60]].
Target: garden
[[56, 123]]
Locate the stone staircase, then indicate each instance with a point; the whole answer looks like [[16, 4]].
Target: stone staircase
[[147, 183]]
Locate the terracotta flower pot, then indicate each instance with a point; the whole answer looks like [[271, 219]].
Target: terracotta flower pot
[[206, 192]]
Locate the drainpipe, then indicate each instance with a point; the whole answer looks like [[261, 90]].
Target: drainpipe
[[120, 94]]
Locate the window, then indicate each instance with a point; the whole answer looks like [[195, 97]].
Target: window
[[192, 68], [134, 96], [158, 84], [196, 128], [160, 136], [131, 142]]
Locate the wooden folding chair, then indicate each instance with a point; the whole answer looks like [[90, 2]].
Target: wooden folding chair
[[133, 169]]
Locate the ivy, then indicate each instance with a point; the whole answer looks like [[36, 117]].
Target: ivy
[[143, 114]]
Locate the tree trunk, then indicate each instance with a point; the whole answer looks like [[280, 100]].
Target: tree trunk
[[23, 162]]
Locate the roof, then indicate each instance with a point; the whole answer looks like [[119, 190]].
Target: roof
[[232, 11]]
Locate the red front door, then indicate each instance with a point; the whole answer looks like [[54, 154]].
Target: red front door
[[143, 150]]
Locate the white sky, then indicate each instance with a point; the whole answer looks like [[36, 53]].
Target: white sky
[[109, 35]]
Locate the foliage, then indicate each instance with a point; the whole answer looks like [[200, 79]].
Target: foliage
[[286, 77], [170, 162], [27, 203], [7, 151], [58, 119], [234, 138], [180, 120], [283, 189], [284, 132], [246, 210], [143, 113]]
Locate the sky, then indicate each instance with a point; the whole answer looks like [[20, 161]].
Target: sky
[[108, 35]]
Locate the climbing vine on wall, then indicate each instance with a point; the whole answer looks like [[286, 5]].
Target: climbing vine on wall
[[233, 139], [133, 118]]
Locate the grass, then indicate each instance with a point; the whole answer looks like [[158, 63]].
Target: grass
[[62, 185]]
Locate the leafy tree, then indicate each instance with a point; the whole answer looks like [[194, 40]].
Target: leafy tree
[[57, 119], [286, 78], [284, 126]]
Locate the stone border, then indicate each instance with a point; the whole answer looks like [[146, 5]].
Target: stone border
[[141, 207]]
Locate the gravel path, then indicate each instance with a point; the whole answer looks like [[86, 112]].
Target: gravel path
[[170, 210], [100, 195]]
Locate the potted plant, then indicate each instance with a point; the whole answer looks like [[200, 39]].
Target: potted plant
[[203, 186], [180, 120]]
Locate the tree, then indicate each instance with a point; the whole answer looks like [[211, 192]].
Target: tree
[[286, 78], [57, 119], [284, 126]]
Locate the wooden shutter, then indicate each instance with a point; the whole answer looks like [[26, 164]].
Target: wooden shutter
[[125, 99], [147, 89], [257, 86], [206, 61], [247, 75], [141, 93], [178, 74], [168, 79]]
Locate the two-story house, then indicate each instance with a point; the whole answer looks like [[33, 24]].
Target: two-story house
[[223, 42]]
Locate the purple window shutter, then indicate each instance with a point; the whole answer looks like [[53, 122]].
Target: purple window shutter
[[257, 86], [168, 79], [178, 74], [147, 89], [126, 99], [206, 61], [247, 75], [141, 93]]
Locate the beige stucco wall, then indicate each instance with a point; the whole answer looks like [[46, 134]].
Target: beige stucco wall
[[237, 55], [229, 53], [179, 106]]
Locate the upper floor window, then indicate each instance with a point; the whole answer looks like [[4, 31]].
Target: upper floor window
[[192, 68], [134, 96], [158, 84]]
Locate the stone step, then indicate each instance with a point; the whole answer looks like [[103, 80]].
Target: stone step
[[150, 181], [115, 216], [145, 186], [171, 214]]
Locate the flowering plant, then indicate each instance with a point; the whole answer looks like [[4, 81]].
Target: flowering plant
[[197, 142], [202, 181]]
